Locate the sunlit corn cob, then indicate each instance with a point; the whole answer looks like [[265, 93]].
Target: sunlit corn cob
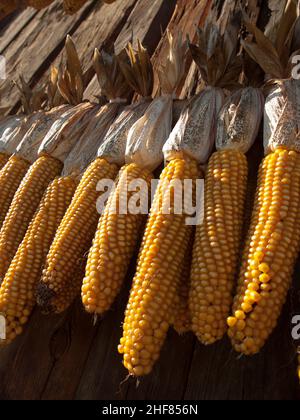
[[60, 281], [217, 244], [218, 240], [39, 4], [270, 254], [114, 244], [17, 293], [3, 160], [23, 207], [72, 6], [11, 176], [181, 312], [149, 310]]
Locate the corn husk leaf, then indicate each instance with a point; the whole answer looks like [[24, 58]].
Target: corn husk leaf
[[194, 133], [12, 130], [138, 70], [70, 82], [40, 125], [110, 77], [86, 147], [114, 145], [262, 51], [239, 120], [282, 117], [66, 130], [172, 69], [32, 99], [148, 135], [216, 55]]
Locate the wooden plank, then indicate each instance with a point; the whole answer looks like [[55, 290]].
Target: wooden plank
[[78, 330], [146, 21], [170, 375], [218, 373], [19, 22], [25, 365], [36, 44]]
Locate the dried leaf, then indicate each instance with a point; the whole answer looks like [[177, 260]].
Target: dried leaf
[[73, 62], [137, 69]]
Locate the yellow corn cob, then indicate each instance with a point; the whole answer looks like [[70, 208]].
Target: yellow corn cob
[[149, 310], [270, 254], [72, 6], [11, 176], [39, 4], [114, 245], [60, 281], [17, 293], [217, 244], [23, 207], [3, 160], [181, 313]]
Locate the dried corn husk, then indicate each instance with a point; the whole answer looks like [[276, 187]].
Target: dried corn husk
[[111, 80], [85, 149], [282, 117], [70, 82], [216, 55], [194, 133], [12, 131], [138, 71], [148, 135], [40, 126], [114, 145], [66, 130], [239, 120], [32, 99], [272, 50]]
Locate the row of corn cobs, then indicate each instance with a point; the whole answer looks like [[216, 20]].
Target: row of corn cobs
[[184, 277]]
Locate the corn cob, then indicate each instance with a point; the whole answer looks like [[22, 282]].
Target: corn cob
[[17, 292], [114, 244], [149, 311], [220, 236], [181, 313], [270, 253], [39, 4], [217, 240], [106, 268], [61, 281], [11, 176], [72, 6], [72, 240], [3, 160], [273, 240], [23, 207]]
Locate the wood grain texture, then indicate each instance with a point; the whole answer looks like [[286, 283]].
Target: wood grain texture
[[146, 21]]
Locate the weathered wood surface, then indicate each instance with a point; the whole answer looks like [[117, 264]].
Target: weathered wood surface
[[67, 356], [146, 21]]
